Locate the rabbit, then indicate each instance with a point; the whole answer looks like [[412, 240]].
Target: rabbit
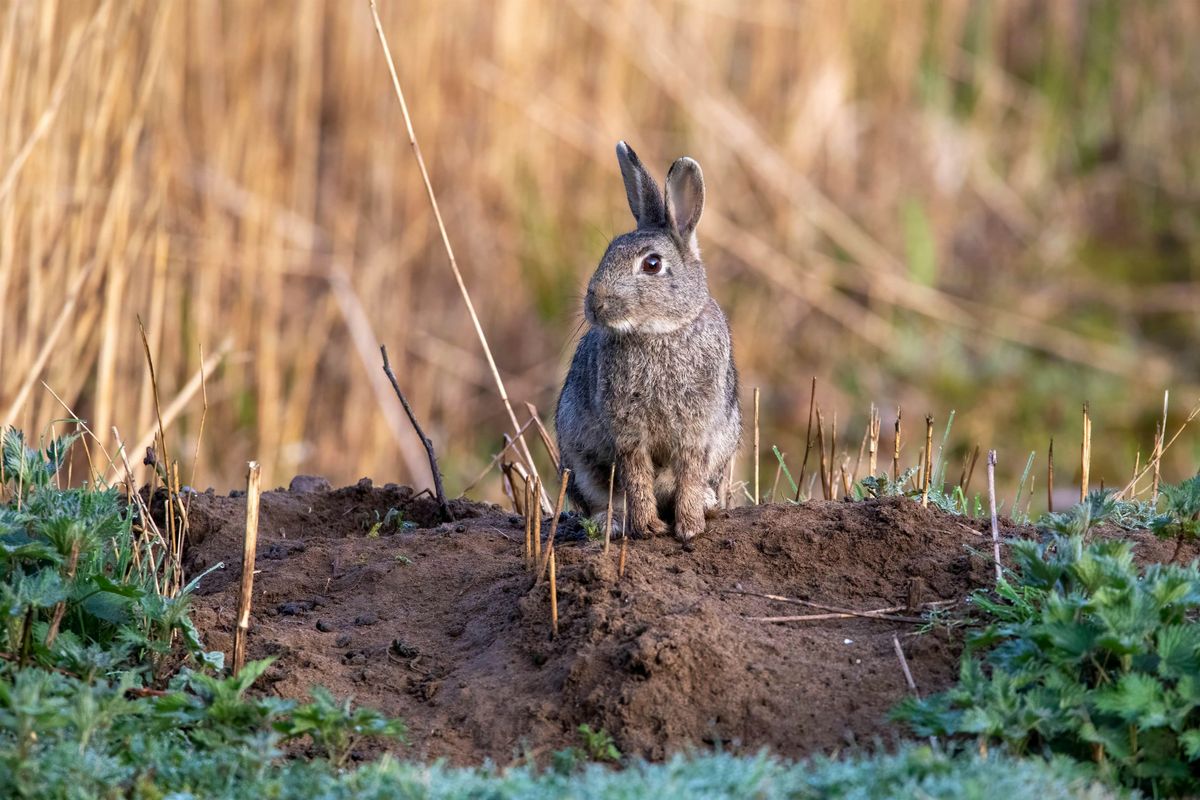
[[652, 385]]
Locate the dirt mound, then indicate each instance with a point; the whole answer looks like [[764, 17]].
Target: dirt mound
[[361, 590]]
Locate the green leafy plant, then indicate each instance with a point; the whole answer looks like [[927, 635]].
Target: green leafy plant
[[1087, 656], [1180, 519], [336, 728], [592, 528], [598, 744]]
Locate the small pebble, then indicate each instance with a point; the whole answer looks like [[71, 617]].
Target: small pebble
[[324, 626], [369, 618], [343, 640]]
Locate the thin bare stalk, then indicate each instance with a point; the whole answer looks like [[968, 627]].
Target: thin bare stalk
[[425, 440], [927, 476], [249, 548], [896, 448], [608, 514], [1050, 477], [808, 440], [1085, 454], [437, 214], [756, 454], [558, 507], [991, 465]]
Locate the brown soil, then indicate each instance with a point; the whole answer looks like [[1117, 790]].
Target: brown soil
[[441, 625]]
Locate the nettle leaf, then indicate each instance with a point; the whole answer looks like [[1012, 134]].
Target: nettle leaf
[[1191, 744], [1135, 698], [109, 606], [1178, 650]]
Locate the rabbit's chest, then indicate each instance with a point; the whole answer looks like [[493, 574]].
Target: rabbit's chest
[[657, 394]]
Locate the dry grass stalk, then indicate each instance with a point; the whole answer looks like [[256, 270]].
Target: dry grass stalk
[[537, 524], [826, 489], [847, 480], [896, 448], [1085, 454], [1050, 477], [558, 507], [544, 435], [608, 513], [249, 548], [1158, 442], [756, 453], [624, 536], [908, 676], [808, 440], [528, 525], [775, 483], [496, 459], [832, 453], [462, 287], [778, 598], [820, 617], [927, 477], [971, 469], [434, 470], [553, 595], [991, 467], [1182, 427], [873, 441]]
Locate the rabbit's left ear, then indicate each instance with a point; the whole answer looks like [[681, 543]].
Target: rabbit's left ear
[[685, 199]]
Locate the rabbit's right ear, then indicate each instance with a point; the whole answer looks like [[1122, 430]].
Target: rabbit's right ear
[[645, 200]]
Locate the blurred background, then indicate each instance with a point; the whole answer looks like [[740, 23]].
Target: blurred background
[[986, 207]]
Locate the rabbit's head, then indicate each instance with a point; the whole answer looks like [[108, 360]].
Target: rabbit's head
[[651, 280]]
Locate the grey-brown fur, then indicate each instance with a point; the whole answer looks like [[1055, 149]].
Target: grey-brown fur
[[652, 384]]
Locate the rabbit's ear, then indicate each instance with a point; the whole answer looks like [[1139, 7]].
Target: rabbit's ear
[[685, 198], [645, 201]]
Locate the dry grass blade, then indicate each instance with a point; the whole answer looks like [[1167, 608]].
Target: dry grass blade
[[756, 453], [508, 443], [823, 607], [1085, 454], [437, 214], [558, 507], [826, 489], [896, 448], [544, 435], [1050, 477]]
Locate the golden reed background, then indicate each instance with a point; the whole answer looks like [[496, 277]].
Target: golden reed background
[[986, 206]]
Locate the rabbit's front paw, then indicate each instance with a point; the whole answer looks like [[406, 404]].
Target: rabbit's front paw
[[687, 529], [647, 527]]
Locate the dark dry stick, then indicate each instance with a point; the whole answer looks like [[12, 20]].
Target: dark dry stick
[[808, 439], [992, 499], [558, 507], [249, 547], [896, 449], [756, 496], [824, 470], [1050, 478], [970, 471], [612, 477], [812, 398], [433, 464]]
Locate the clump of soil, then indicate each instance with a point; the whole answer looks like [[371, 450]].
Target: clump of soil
[[441, 624]]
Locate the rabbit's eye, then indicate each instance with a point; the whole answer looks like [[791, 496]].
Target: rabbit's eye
[[652, 264]]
